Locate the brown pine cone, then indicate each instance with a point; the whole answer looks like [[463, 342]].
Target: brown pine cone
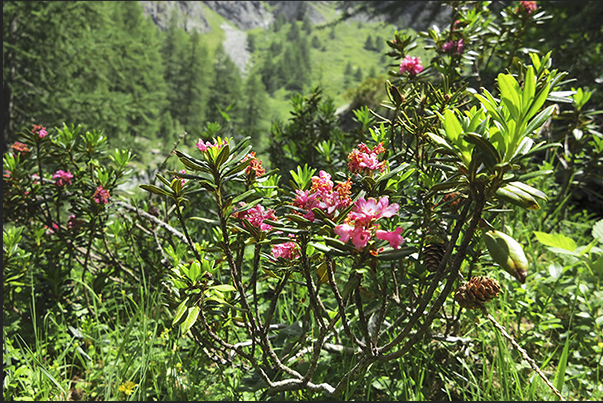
[[477, 292], [433, 255]]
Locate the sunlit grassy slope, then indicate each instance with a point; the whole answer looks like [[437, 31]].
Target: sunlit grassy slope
[[330, 60]]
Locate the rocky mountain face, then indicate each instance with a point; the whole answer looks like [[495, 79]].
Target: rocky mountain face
[[244, 15]]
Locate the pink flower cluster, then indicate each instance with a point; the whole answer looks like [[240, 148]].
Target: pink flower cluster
[[454, 46], [255, 165], [182, 180], [528, 6], [73, 222], [203, 146], [287, 250], [19, 147], [323, 196], [39, 130], [411, 64], [52, 229], [62, 178], [364, 160], [256, 216], [101, 195], [360, 225]]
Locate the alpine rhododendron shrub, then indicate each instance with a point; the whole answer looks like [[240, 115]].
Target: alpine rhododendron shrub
[[57, 187], [442, 164]]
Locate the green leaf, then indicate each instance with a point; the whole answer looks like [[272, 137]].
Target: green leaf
[[222, 288], [452, 126], [529, 189], [439, 140], [510, 94], [179, 312], [191, 318], [155, 189], [597, 231], [194, 270], [243, 196], [395, 254], [539, 120], [392, 173], [518, 197], [556, 241], [491, 155], [555, 270], [529, 88]]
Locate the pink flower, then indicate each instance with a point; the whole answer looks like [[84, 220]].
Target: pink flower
[[62, 178], [411, 64], [255, 165], [101, 195], [345, 231], [364, 160], [322, 196], [366, 211], [454, 46], [54, 227], [73, 222], [360, 238], [287, 250], [39, 130], [528, 6], [393, 237], [182, 180], [19, 147], [203, 146], [360, 224], [460, 46], [256, 216]]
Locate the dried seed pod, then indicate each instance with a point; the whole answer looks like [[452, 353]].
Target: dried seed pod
[[477, 292], [433, 254]]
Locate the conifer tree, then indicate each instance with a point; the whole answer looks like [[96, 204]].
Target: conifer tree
[[254, 107], [358, 74], [316, 42], [136, 70], [307, 26], [293, 34], [225, 90], [368, 45]]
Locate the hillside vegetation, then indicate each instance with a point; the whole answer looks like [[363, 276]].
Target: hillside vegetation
[[374, 206]]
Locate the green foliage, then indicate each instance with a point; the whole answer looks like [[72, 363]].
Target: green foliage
[[224, 281]]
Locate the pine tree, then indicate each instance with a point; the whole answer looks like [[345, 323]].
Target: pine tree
[[254, 107], [368, 45], [307, 26], [358, 74], [195, 75], [251, 43], [293, 34], [269, 78], [279, 21], [348, 69], [136, 71], [173, 52], [316, 42], [276, 48], [225, 90], [52, 71]]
